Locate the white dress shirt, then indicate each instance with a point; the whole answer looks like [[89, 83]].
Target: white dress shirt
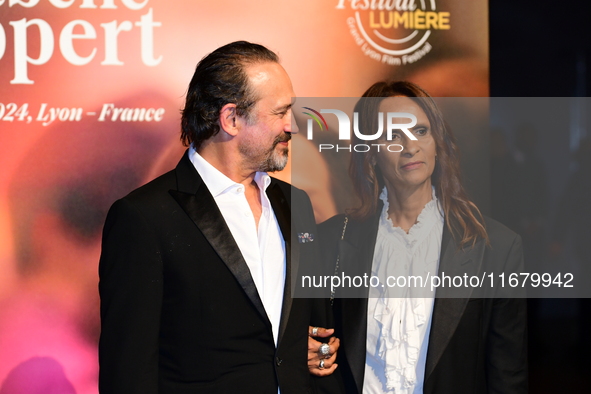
[[399, 319], [262, 249]]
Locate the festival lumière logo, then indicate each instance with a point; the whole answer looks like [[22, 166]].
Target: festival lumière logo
[[394, 32]]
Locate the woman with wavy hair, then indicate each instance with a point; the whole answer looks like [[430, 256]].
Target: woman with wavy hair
[[416, 220]]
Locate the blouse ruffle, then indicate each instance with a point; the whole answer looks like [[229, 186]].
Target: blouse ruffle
[[401, 311]]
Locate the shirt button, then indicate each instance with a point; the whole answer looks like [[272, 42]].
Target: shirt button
[[278, 361], [240, 189]]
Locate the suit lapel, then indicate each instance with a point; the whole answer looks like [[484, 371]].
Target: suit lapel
[[450, 303], [198, 203], [448, 308], [356, 256], [282, 211]]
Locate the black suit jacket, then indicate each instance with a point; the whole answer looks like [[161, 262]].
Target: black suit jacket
[[180, 311], [476, 345]]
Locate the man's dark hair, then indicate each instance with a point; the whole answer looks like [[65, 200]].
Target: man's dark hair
[[219, 79]]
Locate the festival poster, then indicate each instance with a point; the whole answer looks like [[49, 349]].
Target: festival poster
[[90, 100]]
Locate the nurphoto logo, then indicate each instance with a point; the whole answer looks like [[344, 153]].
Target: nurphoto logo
[[392, 120]]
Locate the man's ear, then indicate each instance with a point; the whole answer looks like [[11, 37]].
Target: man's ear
[[228, 119]]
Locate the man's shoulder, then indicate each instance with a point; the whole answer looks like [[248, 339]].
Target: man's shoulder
[[153, 190], [294, 195], [286, 187]]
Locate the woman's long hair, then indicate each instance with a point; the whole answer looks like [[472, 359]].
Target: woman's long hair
[[463, 218]]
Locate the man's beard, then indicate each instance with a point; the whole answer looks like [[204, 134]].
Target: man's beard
[[273, 159], [277, 160]]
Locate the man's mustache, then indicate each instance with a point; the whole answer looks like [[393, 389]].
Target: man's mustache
[[285, 137]]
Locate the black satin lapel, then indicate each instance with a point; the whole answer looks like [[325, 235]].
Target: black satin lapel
[[447, 313], [450, 304], [281, 208], [204, 212], [188, 179]]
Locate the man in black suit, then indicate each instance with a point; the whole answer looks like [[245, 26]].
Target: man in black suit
[[196, 267]]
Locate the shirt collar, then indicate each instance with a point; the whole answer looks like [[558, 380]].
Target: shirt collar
[[216, 181]]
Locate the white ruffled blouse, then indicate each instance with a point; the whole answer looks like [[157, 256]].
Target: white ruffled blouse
[[399, 318]]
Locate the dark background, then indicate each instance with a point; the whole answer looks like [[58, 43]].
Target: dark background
[[542, 49]]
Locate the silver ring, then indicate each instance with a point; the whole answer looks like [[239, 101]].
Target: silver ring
[[314, 331], [324, 349], [321, 365]]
